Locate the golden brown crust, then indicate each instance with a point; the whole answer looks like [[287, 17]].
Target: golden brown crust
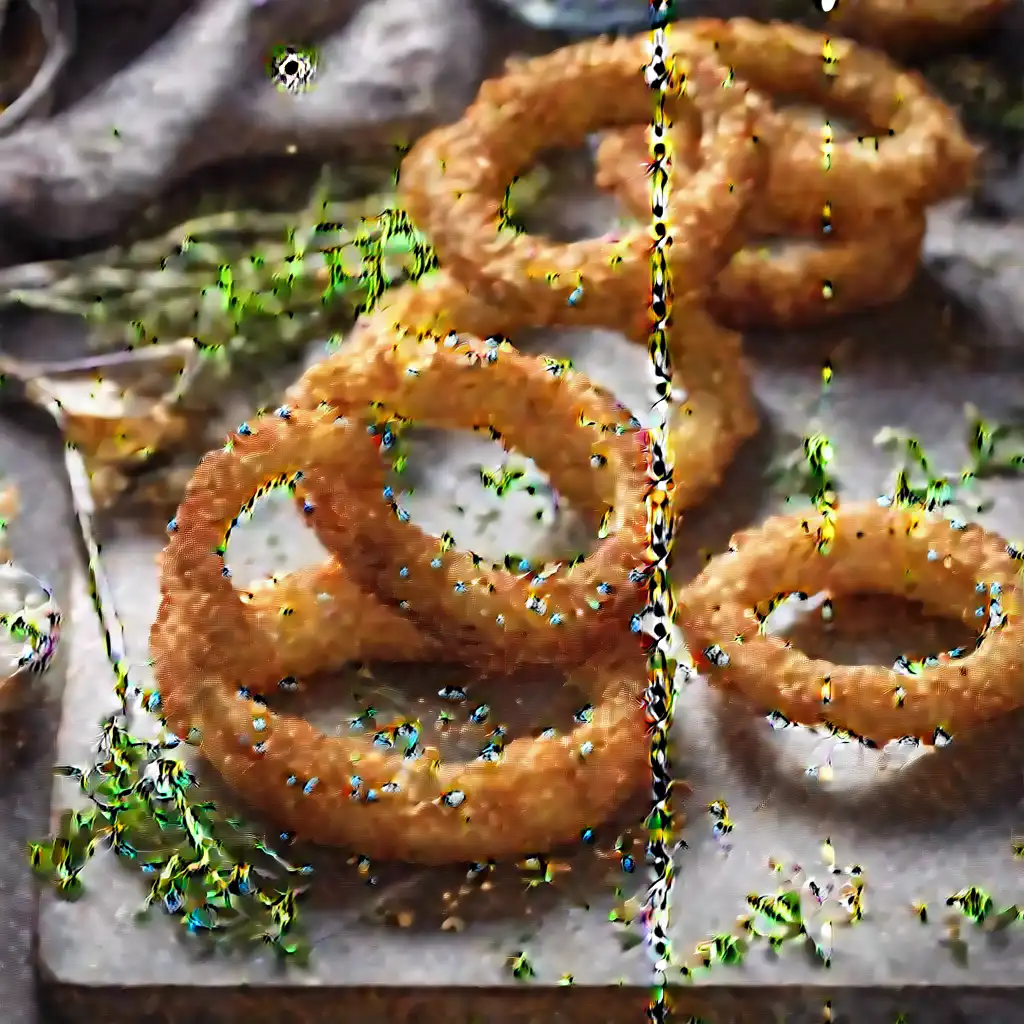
[[332, 620], [788, 283], [420, 356], [244, 639], [914, 150], [873, 196], [717, 416], [804, 283], [913, 26], [318, 617], [547, 788], [906, 552], [454, 179], [707, 360], [459, 382]]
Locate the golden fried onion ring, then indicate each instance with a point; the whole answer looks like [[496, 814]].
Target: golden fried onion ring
[[342, 790], [905, 552], [790, 283], [920, 155], [317, 616], [454, 179], [597, 463], [902, 26]]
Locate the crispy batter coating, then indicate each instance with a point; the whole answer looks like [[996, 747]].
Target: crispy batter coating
[[408, 364], [804, 283], [793, 282], [914, 151], [488, 608], [460, 382], [870, 191], [318, 616], [717, 415], [906, 552], [438, 353], [904, 26], [343, 790], [454, 179]]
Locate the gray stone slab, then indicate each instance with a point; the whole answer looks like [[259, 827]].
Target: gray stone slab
[[921, 828], [42, 541]]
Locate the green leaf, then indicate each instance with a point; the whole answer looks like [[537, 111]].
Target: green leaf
[[973, 902], [40, 857], [70, 888], [296, 949], [732, 949]]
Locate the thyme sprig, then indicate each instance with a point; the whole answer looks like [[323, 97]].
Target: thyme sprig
[[802, 911], [253, 286], [994, 449], [976, 905], [141, 809]]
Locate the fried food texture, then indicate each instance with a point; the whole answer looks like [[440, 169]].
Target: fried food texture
[[520, 400], [853, 205], [441, 353], [249, 640], [319, 616], [777, 280], [462, 382], [914, 26], [956, 570], [343, 790], [912, 150], [454, 180]]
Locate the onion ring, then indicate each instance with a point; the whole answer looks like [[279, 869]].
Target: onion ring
[[341, 790], [464, 383], [921, 157], [318, 617], [454, 179], [903, 26], [795, 284], [905, 552], [803, 284]]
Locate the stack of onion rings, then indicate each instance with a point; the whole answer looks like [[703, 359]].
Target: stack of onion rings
[[318, 616], [434, 352], [454, 383], [787, 281], [430, 352], [858, 202], [342, 790]]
